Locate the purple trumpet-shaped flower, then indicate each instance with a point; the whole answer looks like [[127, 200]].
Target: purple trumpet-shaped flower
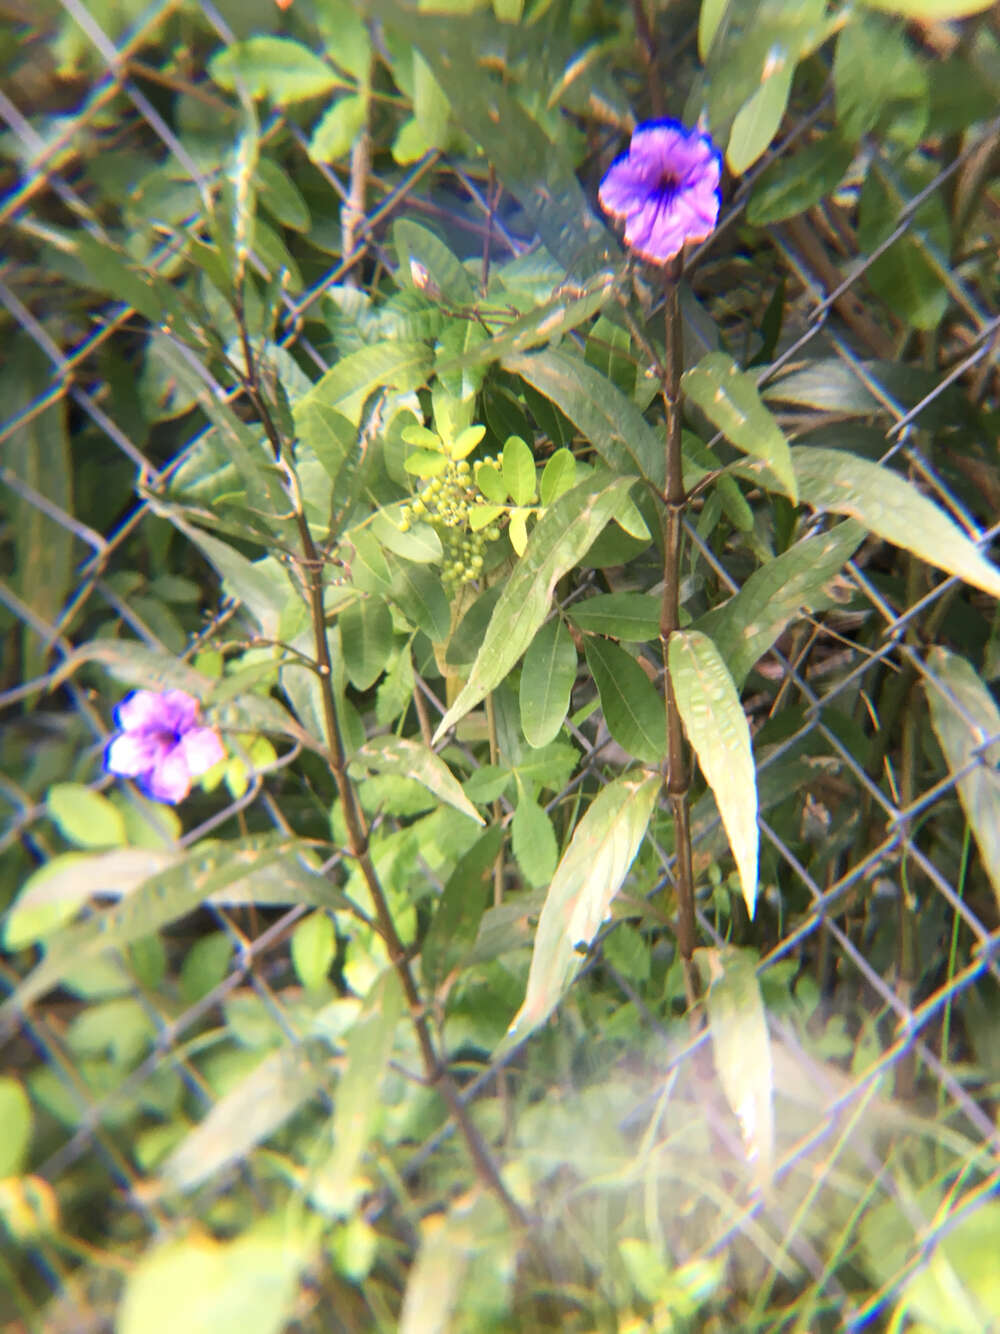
[[161, 743], [666, 187]]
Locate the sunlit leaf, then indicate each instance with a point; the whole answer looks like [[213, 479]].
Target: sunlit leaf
[[893, 508], [717, 729], [591, 872], [85, 817], [275, 67], [348, 384], [313, 947], [412, 759], [424, 257], [742, 1048], [337, 129], [745, 627], [559, 539], [758, 120], [518, 471], [533, 841], [730, 400], [367, 640], [966, 722]]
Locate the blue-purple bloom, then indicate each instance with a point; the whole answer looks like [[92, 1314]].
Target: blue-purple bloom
[[666, 187], [161, 743]]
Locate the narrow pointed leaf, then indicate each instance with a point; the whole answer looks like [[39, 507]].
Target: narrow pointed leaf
[[346, 386], [412, 759], [455, 926], [632, 709], [610, 421], [730, 400], [559, 540], [742, 1049], [893, 508], [534, 842], [717, 729], [965, 717], [633, 618], [547, 682], [746, 626], [591, 872]]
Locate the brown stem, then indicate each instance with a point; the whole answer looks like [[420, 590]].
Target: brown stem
[[675, 499], [357, 837]]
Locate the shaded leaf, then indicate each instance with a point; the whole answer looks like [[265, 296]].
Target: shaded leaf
[[533, 841], [717, 729], [631, 617], [632, 709], [416, 245], [366, 640], [547, 682], [455, 925]]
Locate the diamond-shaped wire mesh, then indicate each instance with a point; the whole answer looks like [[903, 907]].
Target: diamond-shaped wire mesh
[[70, 392]]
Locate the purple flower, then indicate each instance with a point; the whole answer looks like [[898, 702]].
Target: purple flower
[[666, 187], [161, 743]]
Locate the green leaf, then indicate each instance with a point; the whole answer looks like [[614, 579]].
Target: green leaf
[[279, 194], [741, 1047], [417, 592], [534, 841], [422, 256], [519, 471], [412, 759], [369, 1045], [313, 947], [347, 385], [611, 422], [263, 869], [203, 1286], [799, 180], [632, 709], [36, 453], [874, 66], [717, 729], [905, 276], [758, 120], [490, 482], [965, 717], [729, 399], [85, 817], [275, 67], [710, 16], [746, 626], [110, 271], [455, 925], [931, 10], [533, 168], [248, 1113], [589, 875], [262, 586], [559, 539], [337, 128], [547, 682], [367, 640], [15, 1117], [894, 509], [632, 617], [558, 476]]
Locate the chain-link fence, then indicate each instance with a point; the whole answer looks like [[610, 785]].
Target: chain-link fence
[[878, 896]]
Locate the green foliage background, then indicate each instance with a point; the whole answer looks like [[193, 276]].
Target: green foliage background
[[284, 293]]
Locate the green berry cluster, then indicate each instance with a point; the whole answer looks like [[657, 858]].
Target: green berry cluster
[[447, 502]]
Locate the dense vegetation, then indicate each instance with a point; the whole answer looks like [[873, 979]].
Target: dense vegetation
[[501, 747]]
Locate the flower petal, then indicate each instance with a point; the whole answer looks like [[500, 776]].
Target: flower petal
[[140, 712], [131, 754], [656, 232], [169, 780], [202, 749], [625, 187], [180, 710]]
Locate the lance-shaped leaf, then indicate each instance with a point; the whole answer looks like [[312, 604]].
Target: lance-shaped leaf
[[412, 759], [633, 710], [717, 729], [730, 400], [347, 385], [890, 506], [591, 872], [965, 718], [632, 617], [746, 626], [245, 1116], [430, 266], [610, 421], [561, 537], [547, 682], [742, 1048], [266, 869]]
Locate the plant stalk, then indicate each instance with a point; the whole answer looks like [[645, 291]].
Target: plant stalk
[[676, 771]]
